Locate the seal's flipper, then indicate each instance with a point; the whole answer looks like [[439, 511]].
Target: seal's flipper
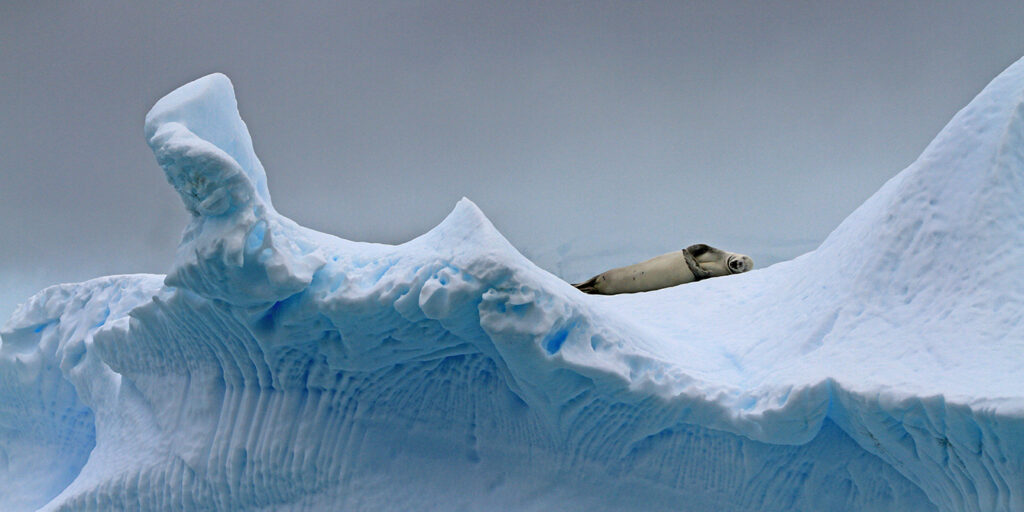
[[696, 250], [691, 262], [588, 286]]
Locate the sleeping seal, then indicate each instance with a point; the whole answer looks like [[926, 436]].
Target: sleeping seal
[[694, 263]]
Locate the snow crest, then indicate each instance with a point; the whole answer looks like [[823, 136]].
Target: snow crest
[[278, 368]]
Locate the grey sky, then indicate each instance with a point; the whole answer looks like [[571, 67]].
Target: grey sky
[[580, 128]]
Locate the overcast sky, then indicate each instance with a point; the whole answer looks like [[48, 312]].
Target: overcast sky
[[579, 128]]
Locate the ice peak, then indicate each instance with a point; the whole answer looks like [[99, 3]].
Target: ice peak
[[964, 191], [237, 248], [204, 146]]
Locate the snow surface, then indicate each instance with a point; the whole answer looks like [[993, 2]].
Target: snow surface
[[278, 368]]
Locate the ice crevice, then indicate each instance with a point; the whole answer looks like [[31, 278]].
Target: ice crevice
[[278, 368]]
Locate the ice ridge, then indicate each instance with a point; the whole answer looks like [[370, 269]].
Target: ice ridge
[[278, 368]]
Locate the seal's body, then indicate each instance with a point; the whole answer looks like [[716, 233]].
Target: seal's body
[[694, 263]]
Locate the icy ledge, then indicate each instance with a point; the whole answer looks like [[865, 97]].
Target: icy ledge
[[278, 368]]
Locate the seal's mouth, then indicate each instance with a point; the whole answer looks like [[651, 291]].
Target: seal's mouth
[[739, 264]]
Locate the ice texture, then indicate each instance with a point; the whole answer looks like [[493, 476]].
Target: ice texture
[[278, 368]]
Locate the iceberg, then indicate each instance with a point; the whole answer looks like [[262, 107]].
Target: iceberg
[[278, 368]]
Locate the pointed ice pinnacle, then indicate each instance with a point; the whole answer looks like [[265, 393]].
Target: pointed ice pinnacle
[[956, 212], [199, 122], [237, 248]]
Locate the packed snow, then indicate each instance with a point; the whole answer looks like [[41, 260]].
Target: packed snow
[[278, 368]]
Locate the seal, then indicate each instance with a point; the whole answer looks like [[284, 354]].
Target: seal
[[696, 262]]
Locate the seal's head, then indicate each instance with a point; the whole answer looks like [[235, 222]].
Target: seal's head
[[739, 263]]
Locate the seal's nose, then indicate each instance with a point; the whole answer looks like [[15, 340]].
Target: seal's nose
[[737, 265]]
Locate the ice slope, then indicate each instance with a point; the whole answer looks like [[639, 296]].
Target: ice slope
[[278, 368]]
